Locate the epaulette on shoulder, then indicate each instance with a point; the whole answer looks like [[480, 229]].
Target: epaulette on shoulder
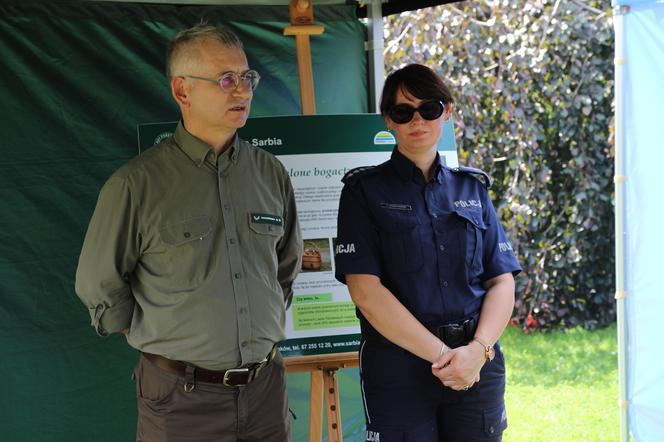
[[353, 175], [477, 173]]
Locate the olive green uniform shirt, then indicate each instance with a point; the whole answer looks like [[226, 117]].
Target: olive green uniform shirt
[[194, 252]]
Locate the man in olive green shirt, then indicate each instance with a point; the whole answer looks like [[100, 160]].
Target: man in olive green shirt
[[192, 251]]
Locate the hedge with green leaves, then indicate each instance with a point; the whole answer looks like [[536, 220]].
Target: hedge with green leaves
[[533, 83]]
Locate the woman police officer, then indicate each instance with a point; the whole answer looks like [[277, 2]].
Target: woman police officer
[[431, 272]]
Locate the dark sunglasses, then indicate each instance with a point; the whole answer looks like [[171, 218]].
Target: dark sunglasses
[[429, 110]]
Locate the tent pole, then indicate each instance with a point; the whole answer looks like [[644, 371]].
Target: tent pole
[[374, 48], [619, 188]]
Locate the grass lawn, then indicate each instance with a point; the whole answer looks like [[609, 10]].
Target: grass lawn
[[561, 386]]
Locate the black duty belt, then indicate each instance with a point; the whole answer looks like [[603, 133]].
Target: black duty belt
[[233, 377], [453, 334]]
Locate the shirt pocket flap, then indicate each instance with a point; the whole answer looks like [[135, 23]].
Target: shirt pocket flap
[[186, 231], [400, 223], [267, 229], [473, 216]]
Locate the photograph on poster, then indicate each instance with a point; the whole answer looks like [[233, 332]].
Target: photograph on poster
[[316, 256]]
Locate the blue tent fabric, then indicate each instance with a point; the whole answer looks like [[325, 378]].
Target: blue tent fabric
[[644, 156]]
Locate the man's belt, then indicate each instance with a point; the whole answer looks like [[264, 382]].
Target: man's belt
[[233, 377], [456, 334]]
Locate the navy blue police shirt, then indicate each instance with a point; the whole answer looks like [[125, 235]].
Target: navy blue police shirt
[[431, 244]]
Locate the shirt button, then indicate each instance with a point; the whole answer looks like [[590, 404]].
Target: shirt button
[[491, 430], [445, 284], [237, 275], [434, 215], [244, 343], [442, 248], [227, 206], [232, 240], [243, 310]]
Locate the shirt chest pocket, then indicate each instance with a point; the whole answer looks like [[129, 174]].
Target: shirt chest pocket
[[401, 243], [263, 236], [472, 236], [265, 231], [189, 255]]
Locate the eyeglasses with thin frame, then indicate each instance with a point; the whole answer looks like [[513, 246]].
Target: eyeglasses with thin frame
[[429, 110], [229, 81]]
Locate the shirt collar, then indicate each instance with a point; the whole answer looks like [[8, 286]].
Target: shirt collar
[[198, 150], [407, 170], [438, 169]]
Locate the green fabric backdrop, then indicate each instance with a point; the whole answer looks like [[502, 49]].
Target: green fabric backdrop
[[76, 79]]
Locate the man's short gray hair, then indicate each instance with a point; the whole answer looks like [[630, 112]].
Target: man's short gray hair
[[182, 47]]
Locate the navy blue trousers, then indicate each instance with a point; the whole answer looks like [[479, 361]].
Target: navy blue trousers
[[404, 402]]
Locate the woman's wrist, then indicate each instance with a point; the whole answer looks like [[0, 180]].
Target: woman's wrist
[[443, 349]]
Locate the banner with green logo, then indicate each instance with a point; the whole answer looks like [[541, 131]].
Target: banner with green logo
[[317, 152]]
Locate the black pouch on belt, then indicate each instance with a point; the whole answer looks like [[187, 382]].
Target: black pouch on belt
[[457, 334]]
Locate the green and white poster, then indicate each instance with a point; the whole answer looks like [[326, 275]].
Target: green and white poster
[[317, 151]]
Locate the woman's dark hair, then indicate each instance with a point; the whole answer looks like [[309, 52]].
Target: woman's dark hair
[[419, 81]]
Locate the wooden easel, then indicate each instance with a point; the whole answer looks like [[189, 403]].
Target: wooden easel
[[323, 368], [302, 27], [324, 383]]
